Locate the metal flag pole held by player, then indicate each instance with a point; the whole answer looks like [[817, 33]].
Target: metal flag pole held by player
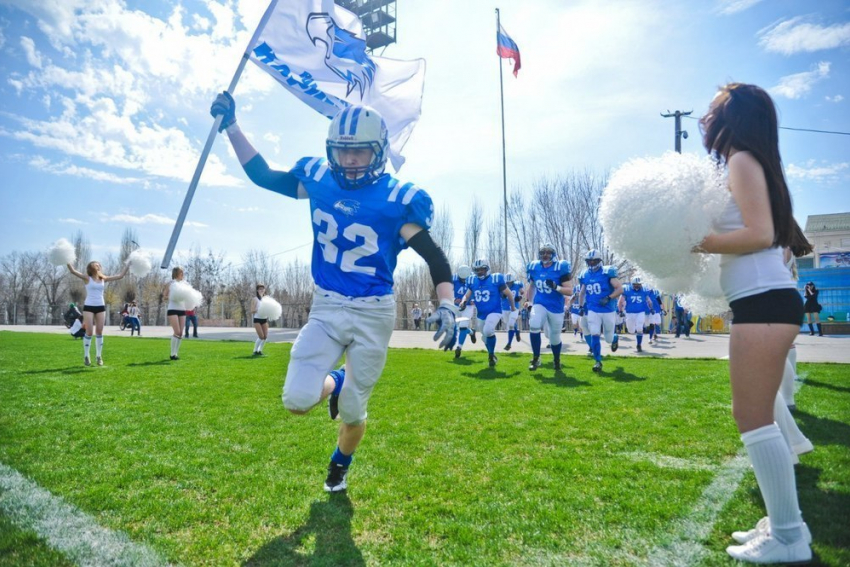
[[178, 225], [506, 267]]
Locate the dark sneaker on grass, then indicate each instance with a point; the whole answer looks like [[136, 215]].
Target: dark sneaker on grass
[[615, 344], [557, 366], [493, 360], [335, 482], [87, 361], [457, 352], [597, 367], [535, 364]]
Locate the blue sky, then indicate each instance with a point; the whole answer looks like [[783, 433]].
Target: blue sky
[[104, 107]]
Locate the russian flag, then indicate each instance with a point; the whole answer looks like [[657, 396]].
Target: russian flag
[[506, 48]]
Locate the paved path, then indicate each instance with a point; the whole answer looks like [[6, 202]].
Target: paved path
[[809, 349]]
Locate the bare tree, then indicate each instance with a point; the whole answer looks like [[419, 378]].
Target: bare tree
[[496, 243], [205, 272], [82, 249], [523, 227], [473, 233], [18, 291], [257, 267], [53, 281], [442, 231]]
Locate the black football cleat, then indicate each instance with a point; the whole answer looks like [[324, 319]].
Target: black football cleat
[[597, 367], [535, 364], [335, 481]]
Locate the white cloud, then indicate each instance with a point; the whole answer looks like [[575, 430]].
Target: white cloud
[[72, 221], [32, 54], [812, 170], [149, 218], [836, 98], [800, 84], [2, 39], [729, 7], [67, 168], [795, 36]]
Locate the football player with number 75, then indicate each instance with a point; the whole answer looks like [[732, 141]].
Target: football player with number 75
[[362, 218]]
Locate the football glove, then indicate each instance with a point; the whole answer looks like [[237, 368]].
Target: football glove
[[582, 311], [224, 106], [551, 284], [604, 300], [461, 306], [652, 311], [444, 318]]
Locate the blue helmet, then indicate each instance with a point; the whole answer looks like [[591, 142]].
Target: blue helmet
[[357, 127], [481, 267], [547, 247], [593, 259]]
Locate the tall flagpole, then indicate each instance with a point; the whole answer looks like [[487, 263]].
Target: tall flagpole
[[178, 225], [504, 167]]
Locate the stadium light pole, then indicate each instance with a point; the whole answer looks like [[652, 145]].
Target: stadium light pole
[[679, 132]]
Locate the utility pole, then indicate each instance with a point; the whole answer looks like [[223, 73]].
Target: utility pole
[[679, 132]]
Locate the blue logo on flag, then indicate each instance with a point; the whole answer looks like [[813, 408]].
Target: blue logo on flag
[[345, 53]]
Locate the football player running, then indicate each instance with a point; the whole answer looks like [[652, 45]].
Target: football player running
[[548, 283], [599, 290], [486, 289], [362, 218], [655, 314], [509, 318], [637, 303], [466, 317]]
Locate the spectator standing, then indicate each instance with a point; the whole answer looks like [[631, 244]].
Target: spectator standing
[[134, 317], [416, 313], [191, 319]]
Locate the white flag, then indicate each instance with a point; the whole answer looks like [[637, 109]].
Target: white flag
[[317, 50]]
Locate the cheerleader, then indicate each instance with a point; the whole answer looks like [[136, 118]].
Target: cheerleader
[[176, 311], [261, 325], [94, 307]]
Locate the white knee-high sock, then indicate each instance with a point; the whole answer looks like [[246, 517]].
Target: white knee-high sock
[[86, 345], [792, 358], [783, 418], [775, 475], [787, 385], [174, 344], [98, 345], [177, 341], [262, 344], [779, 408], [257, 345]]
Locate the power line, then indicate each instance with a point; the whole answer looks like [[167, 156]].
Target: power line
[[801, 129]]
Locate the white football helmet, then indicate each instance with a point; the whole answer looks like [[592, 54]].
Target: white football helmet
[[357, 127], [593, 259], [509, 277], [637, 282], [481, 267], [544, 248], [464, 271]]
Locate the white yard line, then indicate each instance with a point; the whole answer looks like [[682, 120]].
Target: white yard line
[[66, 528]]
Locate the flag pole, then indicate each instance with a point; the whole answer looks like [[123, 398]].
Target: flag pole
[[178, 225], [504, 167]]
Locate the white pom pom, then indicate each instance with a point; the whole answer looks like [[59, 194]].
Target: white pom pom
[[140, 263], [269, 309], [183, 294], [62, 252], [655, 210]]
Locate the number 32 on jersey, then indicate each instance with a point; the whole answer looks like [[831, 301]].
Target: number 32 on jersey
[[353, 232]]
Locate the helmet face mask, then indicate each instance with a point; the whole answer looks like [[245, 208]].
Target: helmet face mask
[[509, 278], [546, 253], [481, 267], [353, 131], [593, 259], [463, 272], [637, 283]]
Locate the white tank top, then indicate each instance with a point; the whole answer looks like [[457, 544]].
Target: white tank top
[[174, 305], [94, 293], [742, 275]]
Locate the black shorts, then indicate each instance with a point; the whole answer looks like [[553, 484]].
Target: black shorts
[[260, 321], [94, 308], [775, 306], [178, 312]]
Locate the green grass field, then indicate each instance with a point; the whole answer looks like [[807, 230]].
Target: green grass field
[[461, 465]]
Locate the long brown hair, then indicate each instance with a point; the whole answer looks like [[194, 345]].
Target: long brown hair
[[93, 272], [257, 290], [743, 118]]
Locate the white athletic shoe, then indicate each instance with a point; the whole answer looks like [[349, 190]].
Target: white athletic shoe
[[763, 527], [765, 549]]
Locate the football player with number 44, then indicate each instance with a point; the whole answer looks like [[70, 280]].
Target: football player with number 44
[[362, 219]]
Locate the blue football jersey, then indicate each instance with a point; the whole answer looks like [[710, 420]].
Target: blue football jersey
[[655, 296], [486, 293], [516, 290], [356, 232], [636, 300], [460, 288], [597, 284], [537, 275]]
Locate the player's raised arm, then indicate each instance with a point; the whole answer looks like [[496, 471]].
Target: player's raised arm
[[252, 162]]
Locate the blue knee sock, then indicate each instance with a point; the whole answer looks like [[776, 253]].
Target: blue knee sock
[[341, 458], [491, 344], [589, 340], [535, 344], [596, 345], [556, 351], [511, 336], [463, 334], [639, 339]]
